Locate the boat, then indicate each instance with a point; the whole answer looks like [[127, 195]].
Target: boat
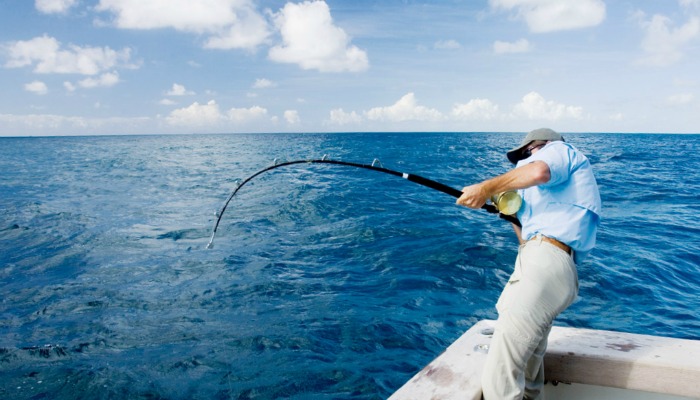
[[579, 364]]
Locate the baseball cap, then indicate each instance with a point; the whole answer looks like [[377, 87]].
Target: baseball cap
[[547, 134]]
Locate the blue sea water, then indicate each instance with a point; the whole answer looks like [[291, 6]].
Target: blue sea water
[[325, 282]]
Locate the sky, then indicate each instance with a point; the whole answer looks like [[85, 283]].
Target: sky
[[110, 67]]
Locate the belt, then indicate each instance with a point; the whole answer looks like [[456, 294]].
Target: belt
[[554, 242]]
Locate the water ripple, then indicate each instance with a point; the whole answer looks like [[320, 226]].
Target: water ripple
[[323, 283]]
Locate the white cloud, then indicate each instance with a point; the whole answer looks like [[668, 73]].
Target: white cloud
[[340, 117], [406, 109], [519, 46], [196, 115], [69, 86], [550, 16], [447, 45], [690, 4], [37, 87], [179, 90], [245, 115], [104, 80], [313, 42], [616, 117], [229, 23], [662, 44], [248, 31], [47, 56], [680, 99], [41, 124], [54, 6], [292, 117], [210, 116], [184, 15], [533, 106], [166, 102], [263, 83], [684, 82], [476, 109], [43, 121]]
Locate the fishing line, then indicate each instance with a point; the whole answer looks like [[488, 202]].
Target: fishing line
[[429, 183]]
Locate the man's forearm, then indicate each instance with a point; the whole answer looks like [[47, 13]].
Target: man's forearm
[[532, 174]]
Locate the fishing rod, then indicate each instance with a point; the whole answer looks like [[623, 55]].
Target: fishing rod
[[491, 208]]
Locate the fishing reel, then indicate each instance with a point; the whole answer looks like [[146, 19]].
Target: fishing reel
[[507, 203]]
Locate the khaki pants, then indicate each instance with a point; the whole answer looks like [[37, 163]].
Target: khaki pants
[[544, 283]]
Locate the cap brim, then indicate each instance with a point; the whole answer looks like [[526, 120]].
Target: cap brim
[[516, 154]]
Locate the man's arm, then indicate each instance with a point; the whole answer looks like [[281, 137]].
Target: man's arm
[[535, 173]]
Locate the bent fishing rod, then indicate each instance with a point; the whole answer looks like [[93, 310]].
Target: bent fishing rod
[[429, 183]]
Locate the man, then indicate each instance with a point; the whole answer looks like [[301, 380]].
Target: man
[[559, 216]]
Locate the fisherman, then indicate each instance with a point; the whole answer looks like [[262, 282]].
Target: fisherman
[[559, 215]]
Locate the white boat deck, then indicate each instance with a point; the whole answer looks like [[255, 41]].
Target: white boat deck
[[587, 364]]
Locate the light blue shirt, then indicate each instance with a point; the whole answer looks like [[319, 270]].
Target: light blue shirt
[[567, 207]]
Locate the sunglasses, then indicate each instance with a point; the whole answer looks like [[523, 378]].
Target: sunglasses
[[528, 151]]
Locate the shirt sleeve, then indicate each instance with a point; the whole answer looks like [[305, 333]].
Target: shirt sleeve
[[557, 157]]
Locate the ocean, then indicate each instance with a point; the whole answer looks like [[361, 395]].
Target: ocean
[[324, 282]]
